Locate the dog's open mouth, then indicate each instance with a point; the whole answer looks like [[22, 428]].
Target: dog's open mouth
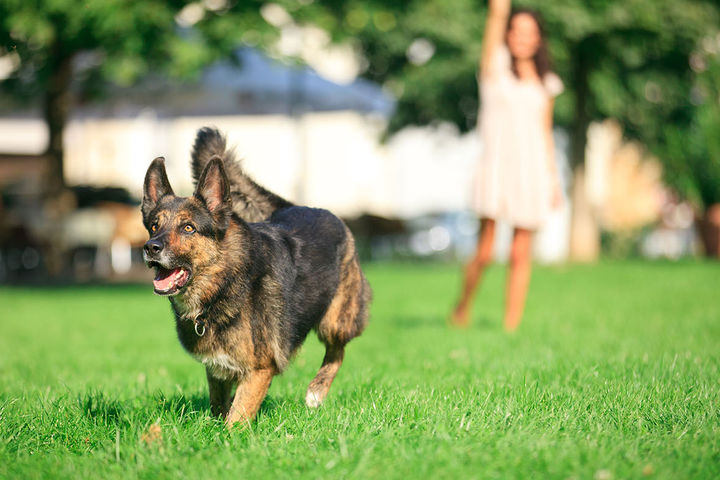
[[169, 281]]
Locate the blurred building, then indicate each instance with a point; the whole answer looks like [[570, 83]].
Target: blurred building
[[620, 192], [316, 142]]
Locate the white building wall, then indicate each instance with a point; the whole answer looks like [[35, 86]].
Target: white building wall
[[330, 160], [23, 135]]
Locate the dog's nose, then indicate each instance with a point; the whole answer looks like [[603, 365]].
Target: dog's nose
[[153, 246]]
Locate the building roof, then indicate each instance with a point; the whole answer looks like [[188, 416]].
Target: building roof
[[252, 84]]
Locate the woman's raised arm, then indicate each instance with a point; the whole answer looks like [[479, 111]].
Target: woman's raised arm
[[498, 14]]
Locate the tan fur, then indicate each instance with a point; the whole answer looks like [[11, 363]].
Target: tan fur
[[344, 320], [319, 387], [340, 325], [249, 396]]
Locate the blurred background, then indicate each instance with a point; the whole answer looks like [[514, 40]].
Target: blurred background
[[366, 108]]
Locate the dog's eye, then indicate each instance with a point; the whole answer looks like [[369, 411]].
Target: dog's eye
[[153, 227], [188, 228]]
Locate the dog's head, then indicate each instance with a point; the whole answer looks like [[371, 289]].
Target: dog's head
[[185, 232]]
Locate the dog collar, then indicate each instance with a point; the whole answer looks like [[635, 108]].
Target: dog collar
[[199, 327]]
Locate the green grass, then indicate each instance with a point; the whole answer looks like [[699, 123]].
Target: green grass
[[613, 374]]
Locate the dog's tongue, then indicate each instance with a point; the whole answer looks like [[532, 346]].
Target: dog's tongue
[[164, 278]]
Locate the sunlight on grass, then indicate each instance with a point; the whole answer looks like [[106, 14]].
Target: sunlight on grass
[[614, 371]]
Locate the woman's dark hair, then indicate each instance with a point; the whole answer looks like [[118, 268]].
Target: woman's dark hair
[[543, 64]]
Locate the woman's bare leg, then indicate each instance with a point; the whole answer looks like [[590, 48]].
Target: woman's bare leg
[[518, 277], [473, 271]]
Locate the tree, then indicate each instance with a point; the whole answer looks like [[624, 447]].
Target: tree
[[621, 59], [65, 50], [627, 60], [693, 151]]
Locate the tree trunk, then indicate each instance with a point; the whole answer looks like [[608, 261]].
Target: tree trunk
[[581, 116], [58, 201], [709, 227], [56, 108], [584, 229]]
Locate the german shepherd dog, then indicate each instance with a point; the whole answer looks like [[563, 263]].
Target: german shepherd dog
[[248, 275]]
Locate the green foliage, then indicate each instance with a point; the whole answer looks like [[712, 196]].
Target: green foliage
[[613, 373], [443, 88], [627, 60], [621, 59], [637, 54], [692, 153], [119, 41], [623, 244]]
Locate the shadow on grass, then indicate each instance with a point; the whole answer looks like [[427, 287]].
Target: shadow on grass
[[483, 322], [108, 411], [419, 321], [101, 409]]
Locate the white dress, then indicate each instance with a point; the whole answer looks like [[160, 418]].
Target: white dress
[[513, 181]]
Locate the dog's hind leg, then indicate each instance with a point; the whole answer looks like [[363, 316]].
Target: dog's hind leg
[[318, 389], [344, 320]]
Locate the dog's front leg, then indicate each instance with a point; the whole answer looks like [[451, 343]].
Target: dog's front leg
[[220, 395], [249, 396]]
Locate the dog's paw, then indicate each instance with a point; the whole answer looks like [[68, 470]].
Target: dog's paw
[[313, 399]]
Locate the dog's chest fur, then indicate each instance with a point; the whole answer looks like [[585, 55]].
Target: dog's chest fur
[[225, 356], [221, 365]]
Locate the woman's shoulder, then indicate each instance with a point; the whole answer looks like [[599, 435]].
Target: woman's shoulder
[[553, 85]]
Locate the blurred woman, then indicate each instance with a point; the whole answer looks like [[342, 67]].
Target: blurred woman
[[516, 180]]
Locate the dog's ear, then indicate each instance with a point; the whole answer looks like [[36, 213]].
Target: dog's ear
[[156, 185], [213, 187]]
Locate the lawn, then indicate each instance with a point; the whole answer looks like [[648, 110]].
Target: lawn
[[613, 374]]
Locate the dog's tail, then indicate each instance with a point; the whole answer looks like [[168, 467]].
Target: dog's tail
[[251, 202]]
